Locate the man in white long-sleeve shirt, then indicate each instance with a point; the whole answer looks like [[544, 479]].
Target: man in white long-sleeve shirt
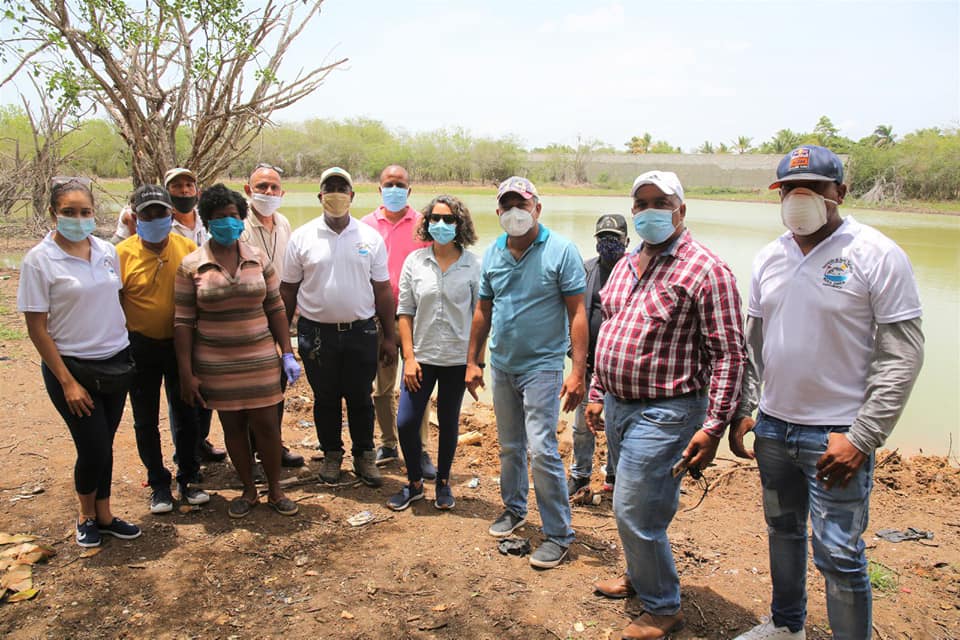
[[834, 337]]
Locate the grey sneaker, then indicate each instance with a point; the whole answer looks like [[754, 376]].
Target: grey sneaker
[[769, 631], [193, 496], [507, 523], [365, 466], [161, 501], [548, 555], [330, 471]]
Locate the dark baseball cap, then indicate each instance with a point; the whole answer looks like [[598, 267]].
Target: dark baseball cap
[[809, 162], [612, 223], [149, 194]]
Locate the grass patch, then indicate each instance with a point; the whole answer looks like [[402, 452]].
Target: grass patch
[[11, 334], [882, 577]]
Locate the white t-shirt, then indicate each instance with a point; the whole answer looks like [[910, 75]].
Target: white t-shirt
[[81, 298], [820, 314], [335, 270], [198, 234]]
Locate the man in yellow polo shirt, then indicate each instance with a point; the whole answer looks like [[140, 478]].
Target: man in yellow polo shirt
[[148, 267]]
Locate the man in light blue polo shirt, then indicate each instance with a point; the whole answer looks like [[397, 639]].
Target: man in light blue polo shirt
[[531, 285]]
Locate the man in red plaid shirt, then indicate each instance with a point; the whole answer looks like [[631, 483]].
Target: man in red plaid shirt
[[669, 361]]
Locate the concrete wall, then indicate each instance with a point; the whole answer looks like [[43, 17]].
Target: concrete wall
[[746, 171]]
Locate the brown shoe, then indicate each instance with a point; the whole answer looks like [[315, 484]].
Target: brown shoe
[[616, 588], [650, 627]]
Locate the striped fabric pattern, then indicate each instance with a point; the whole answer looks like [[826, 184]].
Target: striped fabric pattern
[[234, 353], [675, 329]]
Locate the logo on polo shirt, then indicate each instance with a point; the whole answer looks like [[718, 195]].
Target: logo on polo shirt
[[363, 248], [109, 267], [836, 273]]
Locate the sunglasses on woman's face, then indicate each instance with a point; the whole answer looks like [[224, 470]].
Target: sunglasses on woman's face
[[449, 218]]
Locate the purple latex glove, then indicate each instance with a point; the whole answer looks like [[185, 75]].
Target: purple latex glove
[[291, 368]]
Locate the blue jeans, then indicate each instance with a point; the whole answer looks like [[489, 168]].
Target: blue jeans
[[527, 407], [647, 437], [584, 443], [787, 456]]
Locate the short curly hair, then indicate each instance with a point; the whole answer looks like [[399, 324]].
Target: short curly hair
[[217, 197], [466, 235]]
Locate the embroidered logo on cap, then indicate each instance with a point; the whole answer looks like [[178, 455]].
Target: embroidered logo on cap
[[800, 158]]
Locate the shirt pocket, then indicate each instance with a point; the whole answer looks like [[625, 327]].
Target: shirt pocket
[[659, 303]]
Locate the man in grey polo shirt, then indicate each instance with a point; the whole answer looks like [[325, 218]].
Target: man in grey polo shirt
[[531, 284]]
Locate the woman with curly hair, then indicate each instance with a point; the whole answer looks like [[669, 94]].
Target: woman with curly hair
[[438, 292], [229, 321]]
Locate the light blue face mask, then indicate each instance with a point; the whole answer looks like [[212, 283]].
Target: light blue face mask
[[394, 198], [654, 226], [155, 231], [75, 229], [225, 231], [442, 232]]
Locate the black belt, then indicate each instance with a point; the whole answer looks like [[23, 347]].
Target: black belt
[[341, 326]]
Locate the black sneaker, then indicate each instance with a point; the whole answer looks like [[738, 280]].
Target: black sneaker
[[194, 496], [88, 535], [444, 500], [548, 555], [402, 499], [426, 466], [120, 529], [574, 484], [386, 454], [507, 523], [161, 501]]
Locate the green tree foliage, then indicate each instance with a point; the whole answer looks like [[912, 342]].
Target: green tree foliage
[[208, 70], [639, 144], [923, 165]]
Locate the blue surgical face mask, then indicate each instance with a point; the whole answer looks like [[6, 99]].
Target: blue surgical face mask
[[225, 231], [654, 226], [394, 198], [156, 230], [75, 229], [442, 232]]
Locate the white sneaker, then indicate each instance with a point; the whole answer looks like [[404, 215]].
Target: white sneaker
[[767, 631]]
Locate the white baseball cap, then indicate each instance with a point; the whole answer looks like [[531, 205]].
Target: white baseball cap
[[666, 181], [335, 171]]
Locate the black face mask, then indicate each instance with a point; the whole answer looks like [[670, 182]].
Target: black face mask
[[184, 204]]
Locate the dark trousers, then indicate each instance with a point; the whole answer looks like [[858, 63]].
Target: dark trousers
[[340, 365], [451, 382], [156, 362], [92, 435]]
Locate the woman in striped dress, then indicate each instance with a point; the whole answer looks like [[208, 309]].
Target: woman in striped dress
[[229, 321]]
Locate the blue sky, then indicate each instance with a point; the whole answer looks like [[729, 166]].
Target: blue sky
[[684, 71]]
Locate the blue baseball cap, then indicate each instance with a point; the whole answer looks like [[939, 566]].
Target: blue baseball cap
[[809, 162]]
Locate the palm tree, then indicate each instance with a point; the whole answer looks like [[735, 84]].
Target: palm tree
[[742, 144], [706, 147], [883, 135], [638, 145]]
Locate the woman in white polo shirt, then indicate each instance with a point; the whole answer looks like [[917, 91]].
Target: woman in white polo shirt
[[438, 292], [69, 295]]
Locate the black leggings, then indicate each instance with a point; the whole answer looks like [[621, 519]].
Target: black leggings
[[92, 435], [413, 404]]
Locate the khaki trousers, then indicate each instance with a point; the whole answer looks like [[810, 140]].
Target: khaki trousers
[[385, 405]]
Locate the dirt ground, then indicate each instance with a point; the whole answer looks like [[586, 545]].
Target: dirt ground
[[419, 573]]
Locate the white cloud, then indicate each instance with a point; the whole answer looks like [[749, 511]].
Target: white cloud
[[601, 19]]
